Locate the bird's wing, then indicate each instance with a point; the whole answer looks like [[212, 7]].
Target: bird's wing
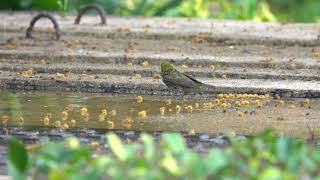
[[198, 83], [179, 79], [192, 78]]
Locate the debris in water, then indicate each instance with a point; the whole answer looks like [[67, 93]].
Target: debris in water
[[64, 115], [139, 99], [127, 122], [162, 110], [142, 114], [65, 126], [102, 117], [110, 124], [189, 109], [57, 124], [73, 123], [5, 119], [113, 113], [46, 121], [20, 121], [178, 109]]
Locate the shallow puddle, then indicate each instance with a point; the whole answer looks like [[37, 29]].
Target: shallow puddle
[[239, 114]]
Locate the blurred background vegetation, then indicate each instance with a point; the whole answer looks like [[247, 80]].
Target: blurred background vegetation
[[258, 10]]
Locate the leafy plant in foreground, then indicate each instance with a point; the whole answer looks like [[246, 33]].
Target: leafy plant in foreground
[[262, 157], [17, 159]]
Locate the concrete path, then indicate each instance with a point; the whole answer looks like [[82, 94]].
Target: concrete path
[[233, 56]]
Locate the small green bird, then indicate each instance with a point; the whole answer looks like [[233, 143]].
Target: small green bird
[[180, 81]]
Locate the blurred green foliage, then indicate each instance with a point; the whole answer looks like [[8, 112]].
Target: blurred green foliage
[[259, 10], [264, 156]]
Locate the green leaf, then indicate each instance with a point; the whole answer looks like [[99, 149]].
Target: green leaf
[[148, 146], [193, 165], [271, 173], [103, 161], [93, 174], [174, 142], [283, 148], [17, 155], [117, 147], [57, 175], [216, 160], [14, 173], [171, 165]]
